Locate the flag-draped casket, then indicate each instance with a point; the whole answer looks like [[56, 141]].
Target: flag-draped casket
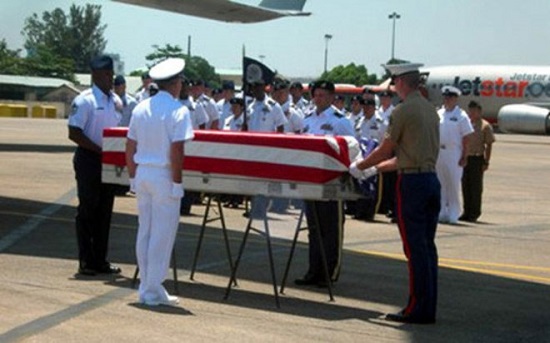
[[250, 163]]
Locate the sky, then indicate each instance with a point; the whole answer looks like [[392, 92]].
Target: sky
[[433, 32]]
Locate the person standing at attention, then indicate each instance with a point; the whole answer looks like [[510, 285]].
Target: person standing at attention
[[454, 131], [159, 127], [92, 111], [413, 134], [479, 155]]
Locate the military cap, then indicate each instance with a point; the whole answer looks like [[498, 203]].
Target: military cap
[[326, 85], [358, 98], [402, 69], [167, 69], [450, 91], [296, 85], [102, 62], [197, 82], [216, 91], [228, 85], [237, 100], [474, 104], [119, 80], [338, 97], [280, 85], [385, 93]]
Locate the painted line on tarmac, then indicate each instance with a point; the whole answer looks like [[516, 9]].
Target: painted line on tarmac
[[30, 225], [44, 323], [493, 272]]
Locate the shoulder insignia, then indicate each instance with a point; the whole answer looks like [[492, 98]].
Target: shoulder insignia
[[339, 114]]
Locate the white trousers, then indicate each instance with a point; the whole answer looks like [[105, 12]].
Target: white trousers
[[159, 216], [449, 174]]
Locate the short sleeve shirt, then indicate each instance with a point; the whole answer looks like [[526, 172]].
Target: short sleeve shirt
[[482, 136], [454, 125], [328, 122], [414, 128], [265, 116], [156, 123], [93, 111]]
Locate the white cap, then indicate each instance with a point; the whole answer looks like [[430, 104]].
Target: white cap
[[402, 69], [450, 90], [167, 69]]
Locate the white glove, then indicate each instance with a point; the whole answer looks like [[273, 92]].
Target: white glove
[[132, 185], [177, 190], [369, 172], [355, 172]]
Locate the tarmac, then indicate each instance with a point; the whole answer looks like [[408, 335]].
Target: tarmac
[[494, 276]]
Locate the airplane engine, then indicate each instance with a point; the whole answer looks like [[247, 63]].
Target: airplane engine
[[526, 119]]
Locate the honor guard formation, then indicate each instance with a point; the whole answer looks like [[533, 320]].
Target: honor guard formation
[[416, 161]]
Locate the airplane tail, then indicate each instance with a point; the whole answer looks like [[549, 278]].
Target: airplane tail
[[283, 5]]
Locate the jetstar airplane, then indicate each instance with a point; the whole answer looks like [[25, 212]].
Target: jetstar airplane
[[515, 98], [226, 10]]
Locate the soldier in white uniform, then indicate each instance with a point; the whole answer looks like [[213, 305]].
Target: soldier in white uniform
[[295, 120], [199, 118], [201, 99], [386, 106], [296, 92], [128, 102], [266, 115], [326, 120], [356, 114], [224, 105], [454, 129], [158, 130], [143, 93], [372, 125]]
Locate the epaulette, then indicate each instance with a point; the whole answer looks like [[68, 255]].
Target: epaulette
[[271, 102], [339, 114]]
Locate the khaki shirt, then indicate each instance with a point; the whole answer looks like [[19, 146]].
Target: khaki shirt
[[482, 136], [414, 128]]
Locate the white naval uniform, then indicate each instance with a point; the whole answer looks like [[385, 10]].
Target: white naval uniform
[[224, 108], [155, 124], [385, 114], [453, 126], [265, 115], [329, 122], [234, 124], [210, 108], [302, 104], [198, 114], [294, 117], [128, 103], [142, 95], [373, 128], [356, 120]]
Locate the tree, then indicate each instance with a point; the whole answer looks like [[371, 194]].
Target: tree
[[10, 62], [353, 74], [196, 67], [77, 36]]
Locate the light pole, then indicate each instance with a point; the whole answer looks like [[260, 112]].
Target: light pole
[[327, 38], [393, 16]]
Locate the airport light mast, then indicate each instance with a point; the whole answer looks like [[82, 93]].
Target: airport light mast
[[394, 16], [327, 38]]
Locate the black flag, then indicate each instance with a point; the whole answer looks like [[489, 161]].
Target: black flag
[[254, 71]]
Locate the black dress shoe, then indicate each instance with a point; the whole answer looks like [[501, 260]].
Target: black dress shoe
[[404, 318], [86, 271], [108, 269], [308, 280]]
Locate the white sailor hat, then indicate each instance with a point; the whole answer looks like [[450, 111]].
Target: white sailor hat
[[450, 90], [167, 69], [402, 69]]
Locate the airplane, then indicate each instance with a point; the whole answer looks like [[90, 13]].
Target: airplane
[[227, 10], [516, 99]]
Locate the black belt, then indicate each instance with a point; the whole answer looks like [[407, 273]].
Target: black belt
[[416, 170]]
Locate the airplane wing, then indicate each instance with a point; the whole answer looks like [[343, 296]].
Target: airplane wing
[[226, 10]]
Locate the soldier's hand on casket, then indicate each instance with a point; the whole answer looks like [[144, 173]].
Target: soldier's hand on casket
[[177, 190], [133, 185], [355, 172], [369, 172]]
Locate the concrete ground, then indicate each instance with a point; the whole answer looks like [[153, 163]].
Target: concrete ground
[[494, 282]]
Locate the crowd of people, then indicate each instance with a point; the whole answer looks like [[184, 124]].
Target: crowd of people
[[422, 159]]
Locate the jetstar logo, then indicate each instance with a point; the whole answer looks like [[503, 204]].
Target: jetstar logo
[[516, 86]]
